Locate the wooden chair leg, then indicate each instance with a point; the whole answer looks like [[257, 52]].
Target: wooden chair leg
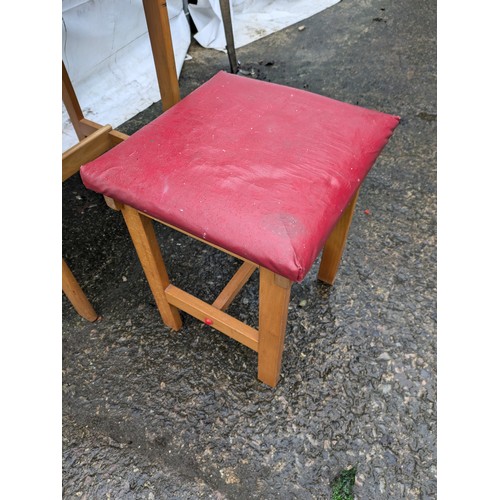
[[163, 52], [142, 233], [75, 294], [274, 296], [334, 246], [72, 105]]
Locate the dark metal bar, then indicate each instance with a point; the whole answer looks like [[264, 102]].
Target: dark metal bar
[[228, 30]]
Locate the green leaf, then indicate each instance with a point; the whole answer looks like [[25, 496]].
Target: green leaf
[[343, 485]]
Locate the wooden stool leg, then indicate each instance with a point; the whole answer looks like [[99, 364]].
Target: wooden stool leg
[[334, 246], [144, 239], [274, 296], [75, 294]]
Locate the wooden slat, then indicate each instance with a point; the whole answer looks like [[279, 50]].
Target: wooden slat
[[163, 52], [274, 296], [221, 321], [88, 126], [82, 126], [75, 294], [334, 246], [86, 150], [236, 283], [71, 103]]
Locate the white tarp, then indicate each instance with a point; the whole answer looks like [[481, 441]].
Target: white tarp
[[108, 56], [107, 53], [252, 19]]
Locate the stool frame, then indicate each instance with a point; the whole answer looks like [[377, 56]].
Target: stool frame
[[274, 290]]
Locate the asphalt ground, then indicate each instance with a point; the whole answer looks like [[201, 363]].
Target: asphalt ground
[[153, 414]]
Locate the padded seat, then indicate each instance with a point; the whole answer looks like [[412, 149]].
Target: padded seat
[[261, 170], [264, 172]]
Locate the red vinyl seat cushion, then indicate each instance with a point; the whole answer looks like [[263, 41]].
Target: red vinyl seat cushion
[[259, 169]]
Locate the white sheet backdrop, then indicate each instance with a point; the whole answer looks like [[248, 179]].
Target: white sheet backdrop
[[106, 49]]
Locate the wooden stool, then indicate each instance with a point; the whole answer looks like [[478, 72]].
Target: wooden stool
[[263, 172]]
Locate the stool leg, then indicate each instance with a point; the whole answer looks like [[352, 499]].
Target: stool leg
[[274, 296], [75, 294], [144, 239], [334, 246]]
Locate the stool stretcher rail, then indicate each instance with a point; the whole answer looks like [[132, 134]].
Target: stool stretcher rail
[[237, 282], [221, 321]]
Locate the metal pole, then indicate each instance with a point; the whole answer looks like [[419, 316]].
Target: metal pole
[[228, 30]]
